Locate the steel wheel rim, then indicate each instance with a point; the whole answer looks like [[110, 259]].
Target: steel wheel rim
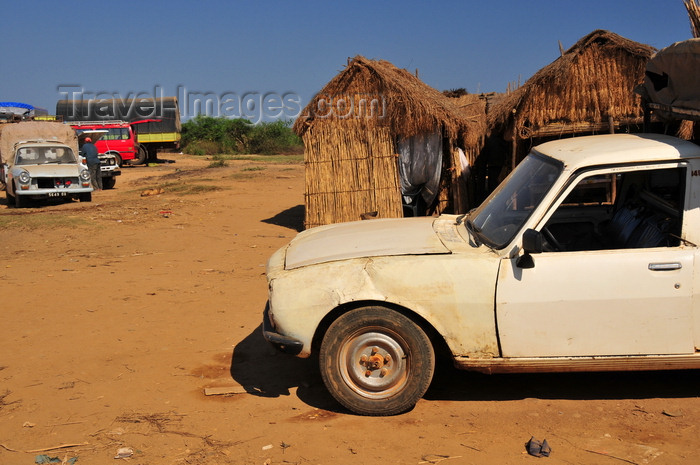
[[362, 347]]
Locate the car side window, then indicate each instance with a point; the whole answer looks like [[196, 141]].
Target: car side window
[[622, 210]]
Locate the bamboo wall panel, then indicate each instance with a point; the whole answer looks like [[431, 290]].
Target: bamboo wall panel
[[349, 171]]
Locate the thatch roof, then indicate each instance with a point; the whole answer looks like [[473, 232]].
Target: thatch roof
[[694, 15], [472, 107], [404, 104], [687, 128], [590, 83]]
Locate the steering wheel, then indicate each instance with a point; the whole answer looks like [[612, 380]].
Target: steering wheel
[[551, 240]]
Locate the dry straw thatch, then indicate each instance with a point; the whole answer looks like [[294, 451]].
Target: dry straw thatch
[[694, 15], [588, 89], [688, 129], [410, 106], [349, 173], [350, 130]]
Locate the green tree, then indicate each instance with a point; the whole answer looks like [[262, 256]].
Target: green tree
[[207, 135]]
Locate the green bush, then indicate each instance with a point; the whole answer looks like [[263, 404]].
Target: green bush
[[203, 147], [206, 135], [271, 138]]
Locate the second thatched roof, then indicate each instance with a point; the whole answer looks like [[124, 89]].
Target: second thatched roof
[[591, 82], [406, 105]]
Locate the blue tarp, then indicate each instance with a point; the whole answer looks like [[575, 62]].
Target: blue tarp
[[17, 105], [21, 109]]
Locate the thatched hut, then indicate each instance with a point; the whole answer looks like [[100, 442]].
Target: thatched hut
[[589, 89], [690, 129], [378, 139]]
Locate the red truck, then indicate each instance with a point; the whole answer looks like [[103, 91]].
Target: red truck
[[119, 140], [155, 123]]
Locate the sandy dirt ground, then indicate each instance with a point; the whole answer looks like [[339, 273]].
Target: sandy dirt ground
[[120, 315]]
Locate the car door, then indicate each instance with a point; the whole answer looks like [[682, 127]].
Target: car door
[[619, 300]]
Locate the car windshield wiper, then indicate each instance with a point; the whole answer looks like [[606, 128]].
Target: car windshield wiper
[[461, 217], [474, 230]]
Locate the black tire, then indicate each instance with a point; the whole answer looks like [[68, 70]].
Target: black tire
[[20, 202], [86, 197], [141, 156], [376, 361], [108, 182]]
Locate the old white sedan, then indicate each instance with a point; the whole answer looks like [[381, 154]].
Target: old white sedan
[[582, 260], [44, 169]]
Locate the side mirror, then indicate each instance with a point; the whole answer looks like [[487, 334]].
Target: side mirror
[[532, 241]]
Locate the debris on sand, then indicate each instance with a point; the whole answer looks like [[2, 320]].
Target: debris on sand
[[537, 448], [124, 453]]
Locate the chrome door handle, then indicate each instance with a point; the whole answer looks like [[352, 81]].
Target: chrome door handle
[[665, 266]]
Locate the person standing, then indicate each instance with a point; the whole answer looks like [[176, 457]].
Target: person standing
[[93, 163]]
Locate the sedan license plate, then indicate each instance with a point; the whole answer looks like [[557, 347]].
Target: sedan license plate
[[57, 194]]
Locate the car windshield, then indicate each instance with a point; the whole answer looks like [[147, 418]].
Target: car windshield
[[43, 155], [505, 211]]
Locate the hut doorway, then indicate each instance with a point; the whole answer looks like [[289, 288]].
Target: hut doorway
[[420, 168]]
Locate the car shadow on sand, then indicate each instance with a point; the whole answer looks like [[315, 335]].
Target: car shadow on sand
[[263, 371], [452, 384]]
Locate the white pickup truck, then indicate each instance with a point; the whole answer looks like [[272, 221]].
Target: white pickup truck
[[583, 259]]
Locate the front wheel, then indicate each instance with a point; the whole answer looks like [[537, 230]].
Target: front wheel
[[108, 182], [376, 361]]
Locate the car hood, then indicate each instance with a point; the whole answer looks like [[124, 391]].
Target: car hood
[[51, 169], [372, 238]]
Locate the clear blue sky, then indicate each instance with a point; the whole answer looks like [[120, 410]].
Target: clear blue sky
[[128, 47]]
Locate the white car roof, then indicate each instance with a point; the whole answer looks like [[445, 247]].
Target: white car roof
[[608, 149]]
